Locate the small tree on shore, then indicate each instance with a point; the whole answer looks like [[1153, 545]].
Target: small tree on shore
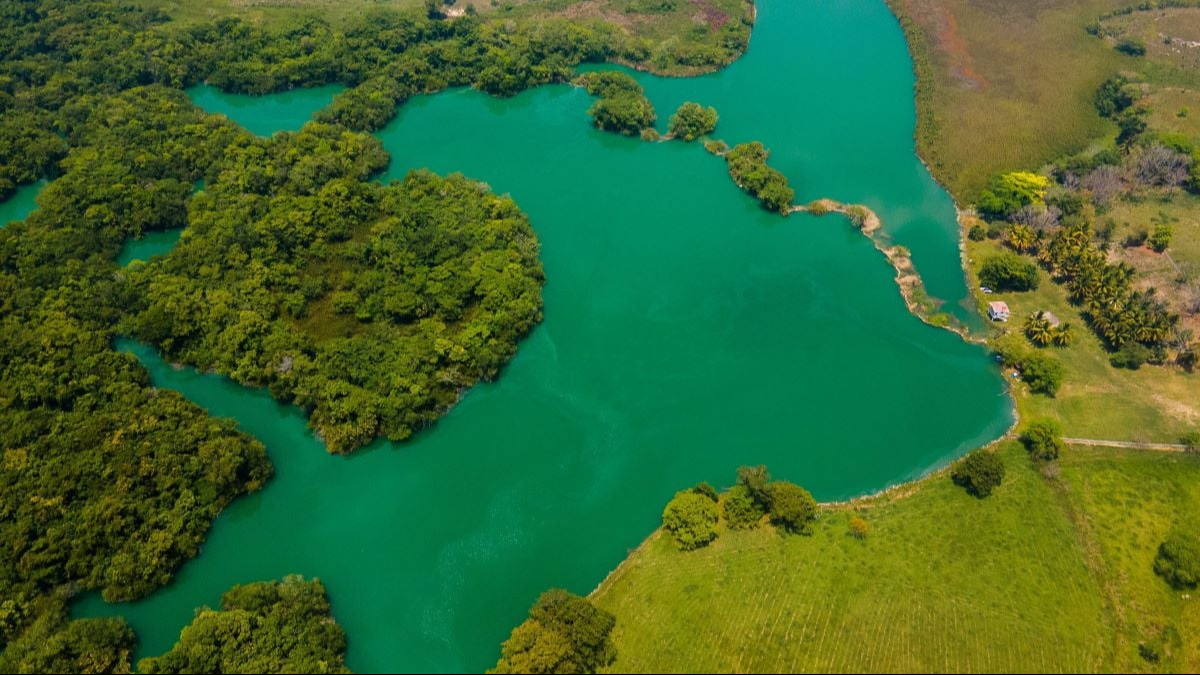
[[756, 480], [792, 507], [1043, 439], [563, 634], [979, 473], [741, 511], [691, 518]]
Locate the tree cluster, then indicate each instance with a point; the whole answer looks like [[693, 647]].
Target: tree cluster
[[620, 106], [747, 165], [265, 627], [691, 121], [1043, 439], [563, 634]]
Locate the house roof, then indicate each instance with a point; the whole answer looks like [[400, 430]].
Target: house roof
[[1052, 318], [998, 306]]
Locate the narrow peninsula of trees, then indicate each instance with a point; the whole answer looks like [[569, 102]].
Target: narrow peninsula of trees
[[747, 165]]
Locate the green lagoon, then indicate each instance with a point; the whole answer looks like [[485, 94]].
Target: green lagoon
[[686, 332], [20, 203]]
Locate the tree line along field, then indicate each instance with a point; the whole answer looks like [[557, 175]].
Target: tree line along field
[[1052, 573]]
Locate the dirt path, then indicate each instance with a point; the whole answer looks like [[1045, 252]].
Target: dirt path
[[1161, 447]]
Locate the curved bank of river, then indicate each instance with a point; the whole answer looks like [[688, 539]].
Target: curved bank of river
[[687, 331]]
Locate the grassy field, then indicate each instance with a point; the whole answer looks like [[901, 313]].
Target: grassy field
[[1047, 575], [1154, 403], [1004, 85]]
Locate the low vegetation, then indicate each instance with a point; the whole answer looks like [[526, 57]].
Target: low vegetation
[[1178, 560], [747, 165], [265, 627]]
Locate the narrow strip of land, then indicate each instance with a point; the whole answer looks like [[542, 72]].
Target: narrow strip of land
[[1132, 445]]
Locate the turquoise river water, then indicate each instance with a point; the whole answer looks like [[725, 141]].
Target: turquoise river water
[[686, 332]]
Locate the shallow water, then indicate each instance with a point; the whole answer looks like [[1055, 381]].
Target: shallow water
[[687, 332], [20, 203]]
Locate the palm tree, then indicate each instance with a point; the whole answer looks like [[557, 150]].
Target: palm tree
[[1038, 329], [1022, 237], [1063, 335]]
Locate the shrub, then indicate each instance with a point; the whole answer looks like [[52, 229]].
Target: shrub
[[563, 634], [1008, 192], [1043, 439], [756, 480], [979, 473], [741, 511], [818, 207], [977, 232], [1113, 96], [1132, 355], [792, 507], [692, 121], [859, 528], [1161, 239], [716, 147], [708, 491], [691, 518], [1131, 47], [1191, 441], [1009, 272], [1178, 560], [1042, 372]]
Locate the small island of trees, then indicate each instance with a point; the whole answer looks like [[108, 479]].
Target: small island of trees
[[691, 121], [747, 165], [621, 106]]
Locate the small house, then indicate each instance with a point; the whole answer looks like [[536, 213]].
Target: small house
[[998, 311], [1052, 319]]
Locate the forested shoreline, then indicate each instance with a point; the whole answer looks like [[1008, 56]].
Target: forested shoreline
[[111, 484]]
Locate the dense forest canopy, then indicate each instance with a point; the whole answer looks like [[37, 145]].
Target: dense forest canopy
[[263, 627], [371, 306]]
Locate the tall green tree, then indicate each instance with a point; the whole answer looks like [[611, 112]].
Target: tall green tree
[[563, 634]]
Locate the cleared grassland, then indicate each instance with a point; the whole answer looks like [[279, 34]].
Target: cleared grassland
[[1047, 575], [943, 582], [1124, 503], [1153, 403], [1004, 85]]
